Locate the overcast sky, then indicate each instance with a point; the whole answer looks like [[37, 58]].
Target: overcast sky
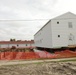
[[35, 13]]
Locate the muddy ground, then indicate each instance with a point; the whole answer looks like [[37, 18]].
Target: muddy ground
[[51, 68]]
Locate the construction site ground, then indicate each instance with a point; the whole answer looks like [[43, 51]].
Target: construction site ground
[[65, 66]]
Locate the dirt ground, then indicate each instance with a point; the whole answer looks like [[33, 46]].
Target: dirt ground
[[44, 68]]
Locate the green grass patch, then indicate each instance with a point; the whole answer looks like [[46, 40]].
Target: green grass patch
[[68, 60]]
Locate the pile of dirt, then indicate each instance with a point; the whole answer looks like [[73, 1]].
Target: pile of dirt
[[53, 68]]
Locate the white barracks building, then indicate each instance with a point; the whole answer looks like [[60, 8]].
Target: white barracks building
[[17, 44], [58, 32]]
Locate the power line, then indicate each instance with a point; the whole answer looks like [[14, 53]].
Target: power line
[[28, 20]]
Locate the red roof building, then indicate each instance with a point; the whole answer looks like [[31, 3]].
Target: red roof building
[[17, 44]]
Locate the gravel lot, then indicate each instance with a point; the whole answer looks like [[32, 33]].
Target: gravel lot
[[41, 68]]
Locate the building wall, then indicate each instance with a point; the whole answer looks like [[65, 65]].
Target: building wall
[[32, 45], [43, 37], [64, 31], [16, 45], [4, 45], [61, 30]]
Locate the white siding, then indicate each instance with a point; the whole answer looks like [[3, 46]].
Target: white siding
[[32, 45], [64, 31], [10, 45], [43, 37], [4, 45], [19, 45]]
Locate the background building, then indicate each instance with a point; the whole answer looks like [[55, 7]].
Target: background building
[[17, 44]]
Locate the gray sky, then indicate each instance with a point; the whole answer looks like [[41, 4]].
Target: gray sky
[[29, 10]]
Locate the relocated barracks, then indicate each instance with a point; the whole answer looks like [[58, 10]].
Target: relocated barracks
[[58, 32]]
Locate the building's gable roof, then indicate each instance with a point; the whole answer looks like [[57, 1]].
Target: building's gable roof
[[67, 15]]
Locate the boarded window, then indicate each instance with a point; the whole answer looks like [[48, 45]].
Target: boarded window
[[70, 25]]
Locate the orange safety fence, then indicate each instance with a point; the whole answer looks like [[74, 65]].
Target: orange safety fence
[[32, 55], [35, 55], [2, 55], [11, 56], [44, 54], [65, 54]]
